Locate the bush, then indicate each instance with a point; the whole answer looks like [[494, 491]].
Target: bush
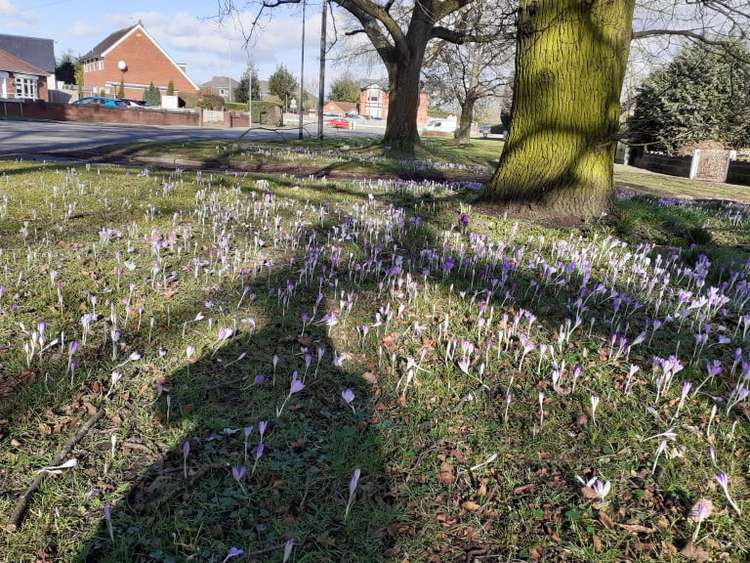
[[152, 96], [211, 101]]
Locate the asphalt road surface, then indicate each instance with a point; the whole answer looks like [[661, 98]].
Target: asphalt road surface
[[48, 138]]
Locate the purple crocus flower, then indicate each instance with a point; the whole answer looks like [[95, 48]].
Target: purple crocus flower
[[238, 472], [233, 552]]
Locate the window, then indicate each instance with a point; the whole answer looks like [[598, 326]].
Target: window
[[100, 64], [26, 87]]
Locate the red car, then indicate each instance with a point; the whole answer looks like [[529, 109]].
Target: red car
[[338, 123]]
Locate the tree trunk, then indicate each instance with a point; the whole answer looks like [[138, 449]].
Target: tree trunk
[[401, 134], [463, 133], [570, 64]]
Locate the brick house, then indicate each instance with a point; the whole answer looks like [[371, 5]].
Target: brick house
[[21, 79], [132, 56], [339, 108], [222, 86], [373, 102], [27, 67]]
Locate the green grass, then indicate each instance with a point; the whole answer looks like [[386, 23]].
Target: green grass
[[355, 156], [524, 504], [661, 185]]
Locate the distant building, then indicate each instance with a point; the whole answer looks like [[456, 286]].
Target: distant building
[[133, 57], [27, 67], [222, 86], [373, 102], [339, 108]]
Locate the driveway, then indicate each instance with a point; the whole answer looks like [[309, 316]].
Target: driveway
[[48, 138]]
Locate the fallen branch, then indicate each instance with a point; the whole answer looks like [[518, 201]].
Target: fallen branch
[[23, 501]]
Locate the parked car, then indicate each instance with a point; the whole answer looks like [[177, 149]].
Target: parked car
[[134, 103], [338, 123], [101, 101], [497, 131], [356, 117]]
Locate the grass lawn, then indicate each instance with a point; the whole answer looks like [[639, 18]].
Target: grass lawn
[[440, 158], [505, 391], [437, 157]]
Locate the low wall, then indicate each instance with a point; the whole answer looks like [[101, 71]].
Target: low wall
[[672, 165], [97, 114], [236, 119]]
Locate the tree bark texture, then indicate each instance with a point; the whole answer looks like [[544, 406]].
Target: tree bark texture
[[463, 133], [570, 65]]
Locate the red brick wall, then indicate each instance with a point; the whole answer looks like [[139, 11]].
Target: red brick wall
[[98, 114], [146, 64], [424, 102], [236, 119]]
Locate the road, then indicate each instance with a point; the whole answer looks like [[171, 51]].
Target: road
[[46, 138]]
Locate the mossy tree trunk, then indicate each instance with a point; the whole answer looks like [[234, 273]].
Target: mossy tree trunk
[[570, 64]]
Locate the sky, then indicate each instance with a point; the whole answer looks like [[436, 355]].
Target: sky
[[189, 31]]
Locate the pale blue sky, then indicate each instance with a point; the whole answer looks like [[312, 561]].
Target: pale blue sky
[[186, 29]]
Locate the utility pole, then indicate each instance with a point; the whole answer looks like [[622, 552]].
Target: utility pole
[[302, 74], [250, 96], [322, 78]]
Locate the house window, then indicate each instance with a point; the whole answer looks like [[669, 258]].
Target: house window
[[223, 92], [26, 87], [100, 65]]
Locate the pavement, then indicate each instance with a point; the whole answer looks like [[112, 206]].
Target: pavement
[[65, 138]]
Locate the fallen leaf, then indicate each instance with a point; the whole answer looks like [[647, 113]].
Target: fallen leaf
[[597, 541], [523, 489], [370, 377], [588, 493], [606, 520], [636, 528], [446, 475], [694, 553], [470, 505]]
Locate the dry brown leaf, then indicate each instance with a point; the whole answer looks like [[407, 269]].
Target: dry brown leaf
[[597, 541], [694, 553], [470, 505], [588, 493], [370, 377], [636, 528], [606, 520], [446, 474], [523, 489]]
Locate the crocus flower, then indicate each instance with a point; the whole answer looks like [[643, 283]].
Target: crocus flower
[[594, 405], [353, 482], [108, 519], [238, 472], [259, 449], [348, 396], [723, 481], [699, 512], [601, 488], [185, 451], [288, 546], [295, 386], [233, 552]]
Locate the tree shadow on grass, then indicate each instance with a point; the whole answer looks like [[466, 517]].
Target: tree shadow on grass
[[300, 486]]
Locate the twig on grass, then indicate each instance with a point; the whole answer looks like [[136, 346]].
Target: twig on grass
[[23, 501]]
